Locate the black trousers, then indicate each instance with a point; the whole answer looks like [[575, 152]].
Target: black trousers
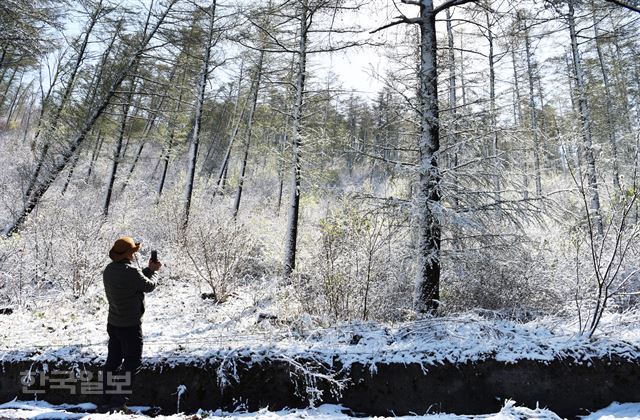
[[125, 344]]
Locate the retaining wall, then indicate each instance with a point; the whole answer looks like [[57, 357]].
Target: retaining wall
[[567, 388]]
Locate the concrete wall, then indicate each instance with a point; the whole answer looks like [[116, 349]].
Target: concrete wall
[[567, 388]]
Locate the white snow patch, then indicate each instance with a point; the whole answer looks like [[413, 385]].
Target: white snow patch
[[180, 327], [34, 410], [616, 411]]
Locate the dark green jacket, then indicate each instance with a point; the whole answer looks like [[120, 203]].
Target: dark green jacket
[[125, 286]]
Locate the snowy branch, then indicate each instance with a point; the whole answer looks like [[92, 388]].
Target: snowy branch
[[451, 3], [628, 4], [401, 19]]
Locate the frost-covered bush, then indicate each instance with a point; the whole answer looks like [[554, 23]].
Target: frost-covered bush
[[15, 273], [628, 286], [82, 259], [68, 246], [224, 254], [514, 280], [605, 263], [357, 271]]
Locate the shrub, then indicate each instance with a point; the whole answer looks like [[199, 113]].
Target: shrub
[[223, 254]]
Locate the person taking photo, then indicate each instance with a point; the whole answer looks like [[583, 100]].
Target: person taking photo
[[125, 285]]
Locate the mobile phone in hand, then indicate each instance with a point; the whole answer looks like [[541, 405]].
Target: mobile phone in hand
[[154, 256]]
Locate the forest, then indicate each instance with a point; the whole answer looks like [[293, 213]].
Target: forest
[[493, 166]]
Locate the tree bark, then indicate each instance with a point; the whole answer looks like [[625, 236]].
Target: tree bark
[[534, 114], [118, 152], [492, 110], [2, 56], [166, 154], [517, 117], [195, 139], [612, 129], [6, 90], [222, 172], [29, 115], [427, 293], [585, 118], [13, 103], [252, 110], [94, 155], [452, 131], [294, 203], [74, 163]]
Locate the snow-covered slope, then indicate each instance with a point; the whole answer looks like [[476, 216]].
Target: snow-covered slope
[[180, 326]]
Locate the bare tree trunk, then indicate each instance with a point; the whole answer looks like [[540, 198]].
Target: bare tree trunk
[[44, 101], [94, 155], [452, 131], [576, 154], [492, 110], [2, 56], [427, 292], [252, 110], [21, 107], [463, 84], [280, 185], [281, 165], [60, 164], [636, 210], [636, 78], [586, 123], [145, 134], [612, 129], [14, 101], [6, 90], [517, 117], [222, 171], [29, 115], [223, 181], [291, 238], [118, 153], [195, 139], [4, 72], [534, 115], [74, 163], [463, 88], [166, 154]]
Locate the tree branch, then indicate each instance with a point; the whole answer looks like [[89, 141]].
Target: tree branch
[[628, 4], [450, 3], [401, 19]]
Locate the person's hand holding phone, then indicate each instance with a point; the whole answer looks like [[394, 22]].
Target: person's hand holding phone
[[154, 263]]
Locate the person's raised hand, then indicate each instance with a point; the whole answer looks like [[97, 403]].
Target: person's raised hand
[[154, 265]]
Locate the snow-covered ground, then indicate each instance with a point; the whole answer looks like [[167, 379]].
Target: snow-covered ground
[[41, 410], [180, 326]]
